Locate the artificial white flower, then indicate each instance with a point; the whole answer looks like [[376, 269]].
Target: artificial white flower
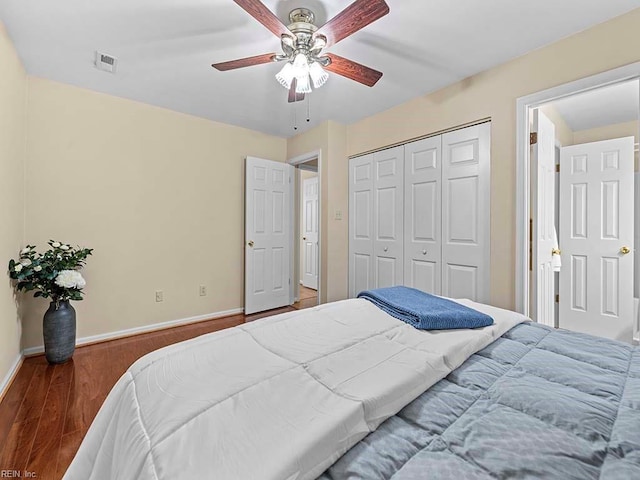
[[37, 256], [37, 268], [17, 268], [64, 247], [55, 244], [25, 262], [70, 279], [25, 250]]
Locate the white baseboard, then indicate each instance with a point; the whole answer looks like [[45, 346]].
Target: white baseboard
[[8, 378], [103, 337]]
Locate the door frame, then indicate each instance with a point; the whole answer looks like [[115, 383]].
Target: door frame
[[523, 182], [295, 263]]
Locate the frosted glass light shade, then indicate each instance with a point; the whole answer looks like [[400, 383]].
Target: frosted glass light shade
[[302, 84], [286, 75], [300, 65], [318, 75]]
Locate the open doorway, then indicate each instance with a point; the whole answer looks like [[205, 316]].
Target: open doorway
[[584, 225], [307, 240]]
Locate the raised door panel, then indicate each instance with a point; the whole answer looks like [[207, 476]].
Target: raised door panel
[[463, 213], [361, 273], [462, 281], [423, 220], [466, 206], [361, 224], [424, 276], [388, 167]]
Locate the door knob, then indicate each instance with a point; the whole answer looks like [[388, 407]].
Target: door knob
[[304, 238], [386, 248], [624, 250], [424, 252], [250, 243]]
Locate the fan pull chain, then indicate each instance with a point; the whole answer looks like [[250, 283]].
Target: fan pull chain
[[295, 117], [308, 108]]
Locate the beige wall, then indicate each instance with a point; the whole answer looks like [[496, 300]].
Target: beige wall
[[330, 139], [157, 194], [493, 94], [12, 151], [619, 130]]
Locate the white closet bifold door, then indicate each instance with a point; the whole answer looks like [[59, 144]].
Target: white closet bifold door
[[360, 224], [423, 220], [466, 156], [388, 220]]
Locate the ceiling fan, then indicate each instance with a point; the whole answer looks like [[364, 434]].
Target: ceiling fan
[[302, 44]]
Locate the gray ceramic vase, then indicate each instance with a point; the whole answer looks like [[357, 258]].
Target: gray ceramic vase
[[59, 331]]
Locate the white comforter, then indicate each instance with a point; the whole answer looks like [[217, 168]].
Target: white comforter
[[279, 398]]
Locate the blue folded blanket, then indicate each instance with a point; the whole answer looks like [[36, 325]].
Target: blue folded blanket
[[425, 311]]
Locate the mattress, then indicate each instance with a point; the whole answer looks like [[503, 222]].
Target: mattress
[[280, 398], [537, 403]]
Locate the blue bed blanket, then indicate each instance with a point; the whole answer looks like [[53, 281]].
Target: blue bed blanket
[[425, 311], [537, 403]]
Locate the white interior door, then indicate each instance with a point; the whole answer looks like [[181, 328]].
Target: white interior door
[[423, 215], [466, 213], [543, 166], [596, 238], [310, 232], [360, 224], [268, 233], [388, 203]]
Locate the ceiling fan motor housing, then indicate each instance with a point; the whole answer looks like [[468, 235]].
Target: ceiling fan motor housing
[[302, 27]]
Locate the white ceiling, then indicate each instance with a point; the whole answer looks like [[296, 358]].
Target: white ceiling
[[165, 49], [601, 107]]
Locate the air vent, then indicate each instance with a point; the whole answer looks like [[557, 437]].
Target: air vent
[[106, 62]]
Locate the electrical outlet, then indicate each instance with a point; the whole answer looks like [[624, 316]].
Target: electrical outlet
[[159, 296], [338, 215], [203, 290]]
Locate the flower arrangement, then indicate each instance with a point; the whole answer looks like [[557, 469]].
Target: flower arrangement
[[53, 273]]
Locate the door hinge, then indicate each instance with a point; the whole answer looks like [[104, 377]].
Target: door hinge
[[533, 138], [557, 298], [557, 168], [531, 244]]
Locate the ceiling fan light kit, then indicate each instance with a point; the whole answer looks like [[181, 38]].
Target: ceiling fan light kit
[[302, 43], [318, 75], [302, 67]]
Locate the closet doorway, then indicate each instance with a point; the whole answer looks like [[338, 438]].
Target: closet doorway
[[583, 228]]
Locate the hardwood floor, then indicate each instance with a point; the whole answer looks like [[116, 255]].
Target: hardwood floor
[[48, 409], [308, 298]]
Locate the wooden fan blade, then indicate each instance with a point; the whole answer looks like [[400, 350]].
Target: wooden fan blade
[[293, 96], [353, 18], [353, 70], [244, 62], [261, 13]]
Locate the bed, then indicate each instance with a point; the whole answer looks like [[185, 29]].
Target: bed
[[345, 391]]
